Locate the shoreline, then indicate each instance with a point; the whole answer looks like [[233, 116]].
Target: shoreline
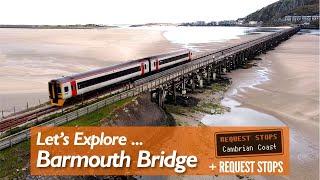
[[22, 56], [289, 93], [294, 84]]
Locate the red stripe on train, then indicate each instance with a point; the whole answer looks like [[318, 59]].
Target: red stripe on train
[[73, 88], [142, 68], [157, 64]]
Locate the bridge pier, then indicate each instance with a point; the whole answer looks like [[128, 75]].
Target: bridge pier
[[240, 59], [174, 92], [217, 70], [158, 96], [264, 51], [214, 76], [192, 85], [200, 81], [247, 54], [224, 70], [192, 81], [244, 59], [227, 64], [208, 78], [233, 64], [238, 62], [183, 87], [162, 97], [204, 77]]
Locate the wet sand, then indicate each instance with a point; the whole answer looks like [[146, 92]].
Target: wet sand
[[29, 58], [283, 89], [294, 92], [285, 85]]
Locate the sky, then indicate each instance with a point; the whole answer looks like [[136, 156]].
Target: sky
[[124, 11]]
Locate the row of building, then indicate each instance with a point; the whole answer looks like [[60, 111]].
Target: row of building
[[221, 23], [301, 19], [241, 21]]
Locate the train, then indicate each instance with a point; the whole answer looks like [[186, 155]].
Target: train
[[68, 87]]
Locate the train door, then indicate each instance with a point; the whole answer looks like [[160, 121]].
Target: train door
[[190, 56], [157, 64], [53, 91], [142, 68], [73, 88]]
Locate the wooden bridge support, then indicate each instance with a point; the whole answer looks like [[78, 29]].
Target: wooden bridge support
[[206, 74], [200, 81], [184, 86], [192, 81], [158, 96], [192, 85], [174, 92]]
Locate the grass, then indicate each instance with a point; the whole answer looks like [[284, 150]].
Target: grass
[[217, 87], [176, 109], [209, 108], [94, 118], [182, 124], [15, 158]]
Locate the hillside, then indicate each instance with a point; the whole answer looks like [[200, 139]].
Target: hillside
[[279, 9]]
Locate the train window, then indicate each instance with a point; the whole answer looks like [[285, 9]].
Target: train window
[[66, 89], [145, 66], [154, 63], [164, 61], [108, 77], [58, 90]]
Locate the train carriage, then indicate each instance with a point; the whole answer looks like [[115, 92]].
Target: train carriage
[[72, 86], [162, 61]]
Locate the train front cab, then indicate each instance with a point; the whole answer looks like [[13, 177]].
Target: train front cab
[[190, 56], [55, 94]]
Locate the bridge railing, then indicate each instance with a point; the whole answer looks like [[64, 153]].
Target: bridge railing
[[25, 134]]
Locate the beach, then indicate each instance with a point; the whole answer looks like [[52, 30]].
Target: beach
[[291, 94], [30, 58], [282, 89]]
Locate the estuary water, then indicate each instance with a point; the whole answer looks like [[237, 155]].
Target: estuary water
[[191, 37], [30, 58]]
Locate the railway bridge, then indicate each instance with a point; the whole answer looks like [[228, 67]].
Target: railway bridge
[[204, 68]]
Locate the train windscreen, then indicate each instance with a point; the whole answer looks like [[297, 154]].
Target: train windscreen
[[54, 91]]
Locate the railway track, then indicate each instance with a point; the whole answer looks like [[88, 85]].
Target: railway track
[[12, 122]]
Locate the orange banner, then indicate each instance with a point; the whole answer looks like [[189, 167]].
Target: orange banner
[[159, 151]]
